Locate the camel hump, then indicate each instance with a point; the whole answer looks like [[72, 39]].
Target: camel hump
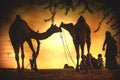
[[25, 27], [21, 25]]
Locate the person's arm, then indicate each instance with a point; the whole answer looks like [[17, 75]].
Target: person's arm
[[104, 44]]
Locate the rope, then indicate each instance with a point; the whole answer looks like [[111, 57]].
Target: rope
[[66, 49], [69, 50]]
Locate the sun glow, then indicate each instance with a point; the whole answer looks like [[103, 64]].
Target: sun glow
[[52, 53]]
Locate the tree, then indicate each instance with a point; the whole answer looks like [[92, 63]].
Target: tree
[[108, 7]]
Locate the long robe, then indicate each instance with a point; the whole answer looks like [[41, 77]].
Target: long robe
[[111, 52]]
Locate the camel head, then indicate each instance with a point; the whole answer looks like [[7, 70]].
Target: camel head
[[54, 28], [66, 26], [62, 24]]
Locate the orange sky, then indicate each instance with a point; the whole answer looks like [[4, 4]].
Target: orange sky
[[51, 53]]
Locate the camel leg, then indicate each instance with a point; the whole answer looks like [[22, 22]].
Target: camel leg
[[33, 55], [22, 56], [18, 64], [35, 65], [88, 41], [77, 55], [37, 52], [31, 63], [16, 49], [34, 62], [82, 50]]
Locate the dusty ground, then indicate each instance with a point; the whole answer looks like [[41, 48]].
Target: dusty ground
[[59, 74]]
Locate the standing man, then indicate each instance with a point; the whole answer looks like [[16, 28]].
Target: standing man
[[111, 51]]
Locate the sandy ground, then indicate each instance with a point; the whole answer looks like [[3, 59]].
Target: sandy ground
[[59, 74]]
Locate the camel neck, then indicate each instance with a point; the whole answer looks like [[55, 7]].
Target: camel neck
[[41, 36]]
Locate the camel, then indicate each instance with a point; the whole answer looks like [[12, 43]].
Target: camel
[[19, 32], [80, 32]]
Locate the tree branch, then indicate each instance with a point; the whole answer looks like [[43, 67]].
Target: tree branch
[[53, 12], [99, 25]]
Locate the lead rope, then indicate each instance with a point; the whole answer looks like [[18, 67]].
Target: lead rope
[[68, 50], [65, 50], [65, 46]]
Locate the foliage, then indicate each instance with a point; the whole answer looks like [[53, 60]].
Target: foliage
[[108, 7]]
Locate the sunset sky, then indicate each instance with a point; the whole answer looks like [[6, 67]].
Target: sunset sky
[[52, 54]]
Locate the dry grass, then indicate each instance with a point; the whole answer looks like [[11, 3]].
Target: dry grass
[[59, 74]]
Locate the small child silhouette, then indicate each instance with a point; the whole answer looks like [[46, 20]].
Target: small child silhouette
[[100, 61]]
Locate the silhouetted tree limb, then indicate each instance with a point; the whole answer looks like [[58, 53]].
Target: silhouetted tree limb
[[52, 6], [118, 32], [111, 19], [109, 6], [106, 13], [53, 12], [99, 25], [69, 5], [86, 4], [114, 24], [106, 6]]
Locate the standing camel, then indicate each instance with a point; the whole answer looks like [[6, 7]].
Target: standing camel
[[20, 32], [80, 33]]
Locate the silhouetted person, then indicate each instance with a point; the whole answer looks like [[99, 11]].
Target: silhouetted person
[[66, 66], [94, 63], [89, 61], [111, 51], [83, 64], [100, 61]]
